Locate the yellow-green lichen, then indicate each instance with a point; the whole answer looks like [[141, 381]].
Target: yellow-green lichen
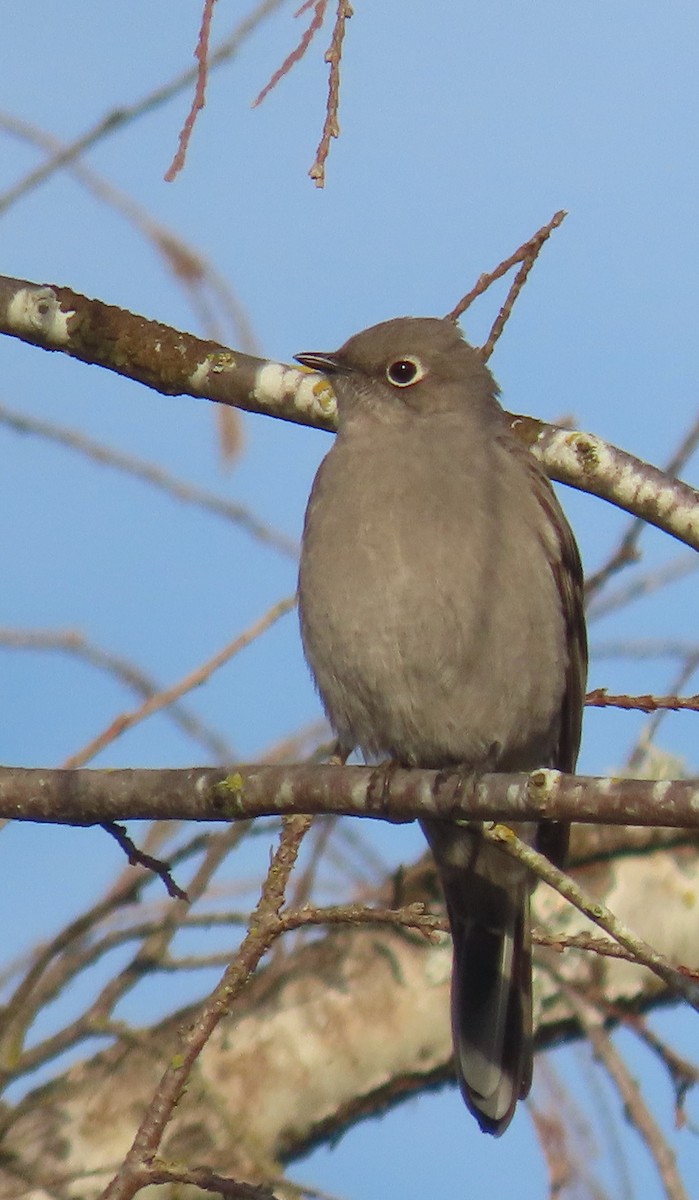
[[231, 790], [324, 395], [223, 361], [585, 452]]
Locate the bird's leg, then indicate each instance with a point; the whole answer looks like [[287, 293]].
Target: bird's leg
[[338, 755], [380, 780]]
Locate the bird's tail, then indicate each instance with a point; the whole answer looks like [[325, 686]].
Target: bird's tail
[[487, 896]]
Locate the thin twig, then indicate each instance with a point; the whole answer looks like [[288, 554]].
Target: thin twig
[[295, 55], [140, 468], [201, 55], [331, 126], [600, 698], [188, 266], [139, 858], [684, 1075], [526, 255], [643, 585], [651, 727], [124, 114], [127, 720], [263, 930], [207, 1181], [627, 551], [72, 642], [599, 914], [641, 648], [605, 947], [635, 1108], [299, 745], [49, 977]]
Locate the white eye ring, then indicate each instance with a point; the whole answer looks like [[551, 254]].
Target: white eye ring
[[405, 371]]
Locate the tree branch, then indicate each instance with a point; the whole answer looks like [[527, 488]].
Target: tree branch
[[387, 990], [89, 797], [175, 363]]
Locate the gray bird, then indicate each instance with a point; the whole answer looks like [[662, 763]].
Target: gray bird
[[441, 608]]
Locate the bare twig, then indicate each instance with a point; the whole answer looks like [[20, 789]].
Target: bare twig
[[599, 914], [71, 953], [139, 468], [331, 127], [564, 1135], [263, 930], [119, 117], [188, 266], [138, 857], [206, 1181], [304, 884], [642, 585], [650, 729], [684, 1075], [194, 679], [627, 551], [600, 698], [641, 648], [72, 642], [605, 947], [201, 55], [629, 1091], [299, 746], [319, 8], [526, 255]]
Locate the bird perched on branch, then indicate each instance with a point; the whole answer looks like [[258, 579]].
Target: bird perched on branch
[[441, 607]]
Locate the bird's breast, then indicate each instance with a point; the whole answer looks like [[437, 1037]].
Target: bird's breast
[[422, 603]]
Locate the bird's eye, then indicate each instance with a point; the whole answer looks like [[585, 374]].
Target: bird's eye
[[405, 371]]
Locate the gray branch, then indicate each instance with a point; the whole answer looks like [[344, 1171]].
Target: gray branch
[[176, 363], [86, 797], [253, 1103]]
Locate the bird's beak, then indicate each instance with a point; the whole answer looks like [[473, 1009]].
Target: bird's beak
[[318, 360]]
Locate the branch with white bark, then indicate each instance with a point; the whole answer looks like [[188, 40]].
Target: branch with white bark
[[89, 797], [175, 363]]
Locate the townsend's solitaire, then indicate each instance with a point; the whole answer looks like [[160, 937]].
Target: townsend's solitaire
[[441, 598]]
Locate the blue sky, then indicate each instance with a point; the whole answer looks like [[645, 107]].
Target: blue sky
[[464, 128]]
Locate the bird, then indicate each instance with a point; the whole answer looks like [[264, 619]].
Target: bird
[[441, 615]]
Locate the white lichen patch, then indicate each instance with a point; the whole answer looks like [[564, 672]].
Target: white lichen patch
[[273, 382], [666, 504], [285, 796], [200, 376], [660, 790], [213, 364], [37, 310], [544, 778], [645, 491], [512, 794], [201, 785], [310, 392], [635, 485], [358, 796]]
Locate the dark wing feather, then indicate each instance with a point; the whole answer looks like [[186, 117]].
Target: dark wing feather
[[552, 838], [489, 914]]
